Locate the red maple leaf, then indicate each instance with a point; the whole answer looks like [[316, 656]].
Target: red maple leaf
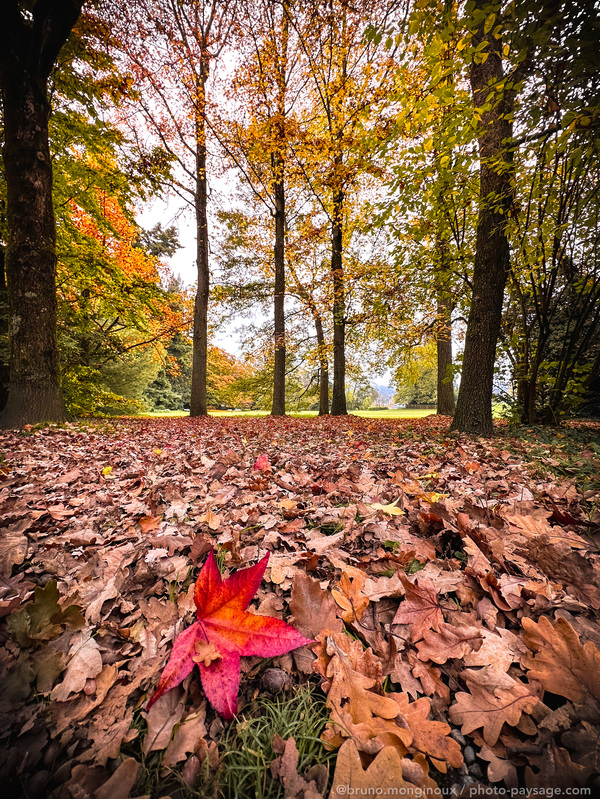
[[230, 630]]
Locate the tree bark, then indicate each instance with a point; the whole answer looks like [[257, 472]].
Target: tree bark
[[198, 400], [4, 366], [278, 164], [323, 366], [278, 406], [338, 396], [445, 387], [474, 405], [28, 50]]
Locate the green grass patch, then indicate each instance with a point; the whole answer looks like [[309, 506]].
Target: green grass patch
[[388, 413], [248, 747]]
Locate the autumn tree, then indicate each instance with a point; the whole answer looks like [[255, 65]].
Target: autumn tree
[[348, 73], [170, 46], [31, 37], [255, 136], [493, 103], [552, 325]]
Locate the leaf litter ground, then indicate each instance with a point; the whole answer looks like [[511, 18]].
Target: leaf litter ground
[[451, 585]]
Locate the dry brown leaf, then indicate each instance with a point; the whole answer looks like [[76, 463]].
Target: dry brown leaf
[[162, 717], [561, 663], [494, 699], [351, 599], [85, 663], [356, 710], [312, 608], [499, 770], [452, 641], [285, 768], [429, 737], [585, 741], [122, 781], [13, 548], [206, 652], [501, 647], [186, 739], [557, 771], [383, 777], [420, 609]]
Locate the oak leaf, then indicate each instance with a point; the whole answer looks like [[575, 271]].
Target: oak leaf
[[224, 622], [452, 641], [561, 663], [384, 777], [494, 699], [420, 608]]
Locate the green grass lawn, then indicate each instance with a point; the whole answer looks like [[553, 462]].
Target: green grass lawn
[[401, 413]]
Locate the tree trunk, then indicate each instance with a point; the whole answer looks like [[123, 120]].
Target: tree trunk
[[338, 397], [278, 407], [443, 330], [445, 387], [198, 402], [323, 366], [278, 164], [4, 367], [28, 50], [474, 406]]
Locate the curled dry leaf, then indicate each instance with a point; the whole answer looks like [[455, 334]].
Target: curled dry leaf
[[561, 663], [351, 599]]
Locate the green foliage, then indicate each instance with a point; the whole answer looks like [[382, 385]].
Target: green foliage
[[416, 377], [171, 388]]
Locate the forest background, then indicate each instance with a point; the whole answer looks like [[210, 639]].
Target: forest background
[[368, 186]]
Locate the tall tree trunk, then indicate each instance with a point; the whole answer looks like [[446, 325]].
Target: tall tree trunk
[[474, 406], [278, 164], [323, 365], [198, 402], [4, 366], [28, 50], [338, 396], [445, 387], [278, 407]]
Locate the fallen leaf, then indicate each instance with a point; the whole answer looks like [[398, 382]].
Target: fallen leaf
[[85, 662], [224, 621], [391, 510], [420, 609], [561, 663], [495, 699], [382, 778], [351, 599]]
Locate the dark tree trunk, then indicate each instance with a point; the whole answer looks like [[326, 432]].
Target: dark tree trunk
[[28, 50], [198, 400], [278, 407], [323, 366], [278, 164], [474, 405], [4, 366], [445, 387], [338, 396]]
